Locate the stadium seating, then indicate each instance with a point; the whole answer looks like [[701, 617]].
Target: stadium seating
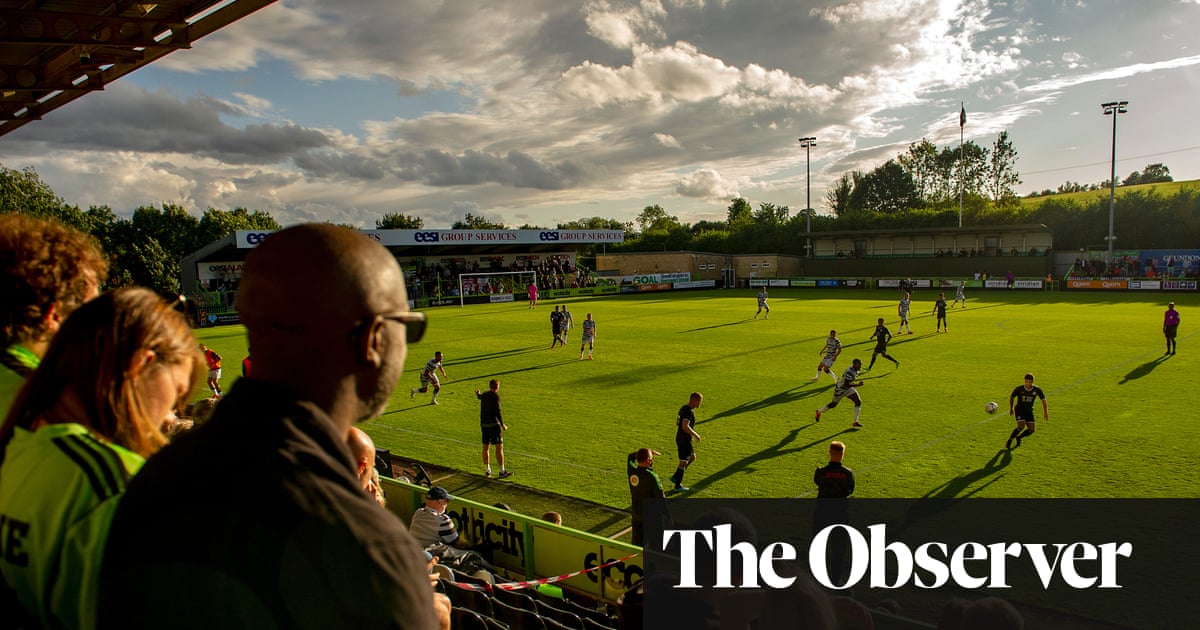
[[463, 619], [517, 618], [477, 601], [565, 618], [516, 599]]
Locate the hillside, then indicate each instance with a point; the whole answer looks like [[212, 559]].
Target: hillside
[[1165, 189]]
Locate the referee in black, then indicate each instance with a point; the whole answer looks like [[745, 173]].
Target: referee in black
[[835, 484]]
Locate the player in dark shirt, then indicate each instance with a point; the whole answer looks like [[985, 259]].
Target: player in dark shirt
[[491, 424], [834, 481], [685, 432], [881, 336], [556, 321], [1022, 411], [835, 484], [939, 309]]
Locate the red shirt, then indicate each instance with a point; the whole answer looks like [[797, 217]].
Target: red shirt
[[213, 359]]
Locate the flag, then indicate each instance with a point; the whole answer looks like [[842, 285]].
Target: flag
[[962, 116]]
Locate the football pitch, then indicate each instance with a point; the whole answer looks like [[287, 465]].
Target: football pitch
[[1121, 414]]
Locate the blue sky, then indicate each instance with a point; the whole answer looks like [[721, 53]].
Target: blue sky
[[543, 111]]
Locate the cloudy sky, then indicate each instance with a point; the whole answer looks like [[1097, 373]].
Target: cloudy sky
[[541, 111]]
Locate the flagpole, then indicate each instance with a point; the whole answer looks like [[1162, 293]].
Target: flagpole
[[962, 122]]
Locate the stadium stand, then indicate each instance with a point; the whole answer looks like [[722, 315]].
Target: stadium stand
[[464, 619], [516, 618]]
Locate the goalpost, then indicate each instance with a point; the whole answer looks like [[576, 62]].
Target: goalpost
[[494, 283]]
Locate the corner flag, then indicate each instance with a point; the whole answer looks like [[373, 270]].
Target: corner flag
[[962, 116]]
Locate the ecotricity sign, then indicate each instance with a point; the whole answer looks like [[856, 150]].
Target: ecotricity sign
[[393, 238]]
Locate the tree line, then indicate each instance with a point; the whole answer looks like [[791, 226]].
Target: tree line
[[916, 189]]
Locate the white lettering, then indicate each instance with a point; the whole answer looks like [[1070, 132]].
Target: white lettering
[[687, 553], [1078, 551], [1045, 571], [766, 564], [1108, 562], [724, 567], [891, 565], [967, 552], [879, 556], [929, 563]]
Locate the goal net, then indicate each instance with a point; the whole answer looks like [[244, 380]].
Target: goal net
[[494, 283]]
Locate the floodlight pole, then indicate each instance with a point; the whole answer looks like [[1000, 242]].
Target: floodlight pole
[[808, 143], [1112, 108]]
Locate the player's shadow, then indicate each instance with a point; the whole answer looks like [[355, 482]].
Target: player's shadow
[[737, 323], [749, 464], [488, 356], [1142, 370], [961, 486], [782, 398], [900, 340], [943, 497], [532, 368]]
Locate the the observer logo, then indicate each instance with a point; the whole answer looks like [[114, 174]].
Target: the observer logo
[[891, 565]]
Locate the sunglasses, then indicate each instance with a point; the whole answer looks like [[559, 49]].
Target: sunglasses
[[414, 324]]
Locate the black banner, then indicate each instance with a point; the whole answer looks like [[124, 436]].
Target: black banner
[[1078, 563]]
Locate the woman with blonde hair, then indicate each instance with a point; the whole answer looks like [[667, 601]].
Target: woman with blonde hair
[[84, 422]]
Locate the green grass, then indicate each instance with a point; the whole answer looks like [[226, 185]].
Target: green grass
[[1163, 189], [1120, 414]]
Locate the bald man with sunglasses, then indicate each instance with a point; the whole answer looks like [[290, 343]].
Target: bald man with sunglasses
[[279, 532]]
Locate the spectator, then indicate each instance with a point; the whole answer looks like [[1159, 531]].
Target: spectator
[[47, 270], [284, 536], [992, 613], [951, 615], [434, 530], [553, 517], [85, 422], [362, 448], [200, 411]]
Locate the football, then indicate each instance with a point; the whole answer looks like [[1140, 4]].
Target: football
[[991, 407]]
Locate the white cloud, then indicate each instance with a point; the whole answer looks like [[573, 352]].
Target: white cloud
[[666, 140], [595, 107], [706, 184]]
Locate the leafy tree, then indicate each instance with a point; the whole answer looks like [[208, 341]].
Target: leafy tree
[[1002, 170], [216, 224], [399, 221], [1153, 173], [887, 189], [175, 230], [920, 161], [769, 214], [837, 198], [473, 222], [594, 223], [701, 227], [654, 219], [739, 214], [23, 191]]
